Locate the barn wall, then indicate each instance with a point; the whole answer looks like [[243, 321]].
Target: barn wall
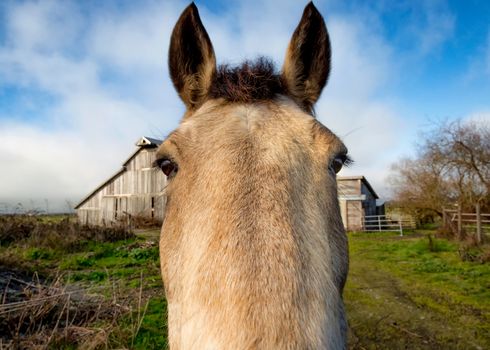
[[136, 191]]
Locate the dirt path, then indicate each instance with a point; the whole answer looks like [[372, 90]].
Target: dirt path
[[386, 313]]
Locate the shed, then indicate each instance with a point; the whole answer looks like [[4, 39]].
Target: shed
[[357, 200], [137, 189]]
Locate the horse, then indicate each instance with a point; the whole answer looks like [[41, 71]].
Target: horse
[[253, 251]]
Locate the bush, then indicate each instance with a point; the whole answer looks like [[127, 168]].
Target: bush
[[64, 235], [471, 252]]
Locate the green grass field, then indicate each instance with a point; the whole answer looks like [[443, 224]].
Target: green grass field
[[402, 295], [402, 292]]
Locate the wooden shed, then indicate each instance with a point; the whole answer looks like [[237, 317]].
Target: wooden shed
[[357, 200], [137, 189]]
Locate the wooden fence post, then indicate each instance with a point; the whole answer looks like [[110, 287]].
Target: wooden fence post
[[478, 223], [460, 222], [444, 218], [379, 223]]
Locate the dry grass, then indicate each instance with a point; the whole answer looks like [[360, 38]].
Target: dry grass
[[36, 315], [66, 234], [39, 312], [142, 221]]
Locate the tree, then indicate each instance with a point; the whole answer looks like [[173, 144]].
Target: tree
[[451, 166]]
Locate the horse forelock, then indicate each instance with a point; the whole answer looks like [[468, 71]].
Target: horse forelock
[[251, 81]]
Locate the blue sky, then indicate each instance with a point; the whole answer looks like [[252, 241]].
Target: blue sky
[[81, 81]]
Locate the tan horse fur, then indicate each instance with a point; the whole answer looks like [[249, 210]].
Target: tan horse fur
[[253, 250]]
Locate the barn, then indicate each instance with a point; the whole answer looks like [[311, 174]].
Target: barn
[[135, 190], [357, 200]]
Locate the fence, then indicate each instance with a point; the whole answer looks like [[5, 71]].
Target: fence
[[473, 223], [407, 221], [382, 223]]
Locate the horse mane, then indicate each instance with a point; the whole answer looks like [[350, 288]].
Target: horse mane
[[251, 81]]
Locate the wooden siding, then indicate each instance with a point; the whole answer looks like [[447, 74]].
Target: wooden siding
[[138, 190], [355, 215], [348, 187]]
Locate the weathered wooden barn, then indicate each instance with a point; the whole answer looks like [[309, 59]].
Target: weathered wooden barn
[[136, 190], [357, 200]]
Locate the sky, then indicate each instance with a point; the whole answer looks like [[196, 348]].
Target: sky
[[81, 81]]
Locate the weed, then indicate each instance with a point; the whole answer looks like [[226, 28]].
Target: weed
[[40, 254], [431, 266], [92, 276], [140, 254]]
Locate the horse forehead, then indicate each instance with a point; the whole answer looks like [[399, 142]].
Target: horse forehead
[[274, 120]]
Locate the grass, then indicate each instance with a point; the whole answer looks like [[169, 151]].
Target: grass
[[402, 292], [153, 332], [126, 270], [118, 274], [405, 292]]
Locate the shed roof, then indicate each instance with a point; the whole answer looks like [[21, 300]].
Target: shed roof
[[359, 177], [143, 142]]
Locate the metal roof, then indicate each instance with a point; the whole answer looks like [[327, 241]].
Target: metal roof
[[148, 141]]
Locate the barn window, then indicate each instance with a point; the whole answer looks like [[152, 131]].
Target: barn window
[[115, 208]]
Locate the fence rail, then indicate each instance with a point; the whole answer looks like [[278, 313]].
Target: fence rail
[[382, 223], [407, 221], [476, 223]]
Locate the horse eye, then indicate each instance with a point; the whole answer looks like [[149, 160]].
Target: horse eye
[[339, 161], [337, 164], [168, 167]]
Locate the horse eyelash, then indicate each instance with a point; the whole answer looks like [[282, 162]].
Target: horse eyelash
[[348, 161], [156, 163]]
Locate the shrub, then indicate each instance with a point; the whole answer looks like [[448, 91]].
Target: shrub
[[64, 235]]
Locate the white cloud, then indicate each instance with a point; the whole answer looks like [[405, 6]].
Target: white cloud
[[371, 127], [438, 26], [37, 25], [93, 122]]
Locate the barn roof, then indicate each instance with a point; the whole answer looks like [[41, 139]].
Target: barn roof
[[143, 142], [148, 141], [363, 179]]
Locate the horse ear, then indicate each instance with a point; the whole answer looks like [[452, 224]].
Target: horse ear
[[191, 59], [307, 64]]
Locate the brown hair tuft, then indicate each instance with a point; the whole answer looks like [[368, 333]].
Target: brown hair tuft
[[251, 81]]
